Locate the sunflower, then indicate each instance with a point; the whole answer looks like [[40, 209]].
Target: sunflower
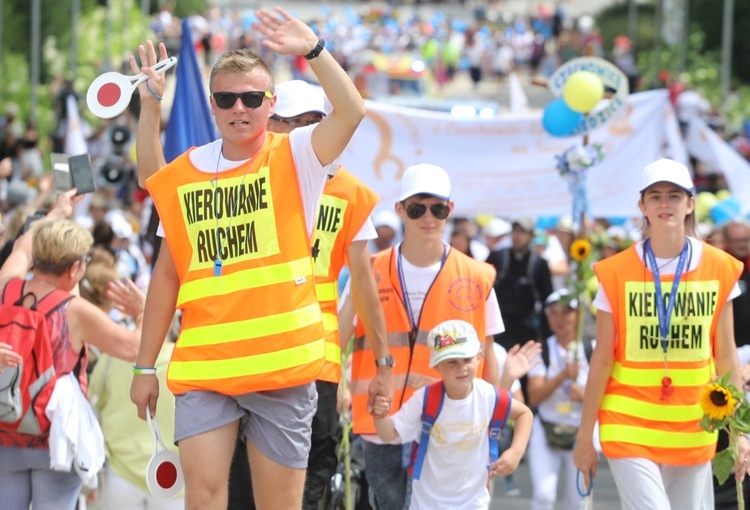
[[580, 249], [717, 402]]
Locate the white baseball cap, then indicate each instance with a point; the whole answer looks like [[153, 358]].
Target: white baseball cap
[[424, 178], [452, 339], [497, 227], [667, 170], [558, 296], [295, 97]]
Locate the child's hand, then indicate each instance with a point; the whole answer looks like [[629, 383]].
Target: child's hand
[[506, 464], [380, 407]]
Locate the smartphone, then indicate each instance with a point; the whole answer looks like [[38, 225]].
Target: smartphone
[[82, 174], [61, 172], [31, 218]]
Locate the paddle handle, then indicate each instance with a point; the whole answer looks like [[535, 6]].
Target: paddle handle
[[153, 425], [159, 68]]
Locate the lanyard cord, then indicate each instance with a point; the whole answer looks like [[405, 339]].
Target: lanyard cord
[[665, 312], [413, 322]]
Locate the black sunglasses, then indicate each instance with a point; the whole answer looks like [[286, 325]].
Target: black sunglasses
[[251, 99], [416, 211]]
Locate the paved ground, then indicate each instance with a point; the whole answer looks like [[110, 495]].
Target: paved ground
[[605, 493]]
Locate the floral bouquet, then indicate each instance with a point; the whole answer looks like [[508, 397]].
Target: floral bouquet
[[573, 165], [726, 408]]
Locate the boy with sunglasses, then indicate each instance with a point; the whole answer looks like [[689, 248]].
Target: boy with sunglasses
[[342, 231], [237, 215], [423, 282]]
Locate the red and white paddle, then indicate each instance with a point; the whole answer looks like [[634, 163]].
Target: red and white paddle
[[163, 473], [110, 93]]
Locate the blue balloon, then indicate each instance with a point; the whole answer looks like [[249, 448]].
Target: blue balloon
[[726, 210], [559, 120]]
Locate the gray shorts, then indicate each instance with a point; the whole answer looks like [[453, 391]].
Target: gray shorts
[[278, 422]]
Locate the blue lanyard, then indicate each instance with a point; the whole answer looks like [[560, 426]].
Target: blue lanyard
[[665, 313], [413, 322]]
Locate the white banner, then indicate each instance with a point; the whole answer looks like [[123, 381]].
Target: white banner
[[506, 166]]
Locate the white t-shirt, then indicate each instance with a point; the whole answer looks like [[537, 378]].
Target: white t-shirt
[[666, 267], [554, 408], [310, 173], [454, 472]]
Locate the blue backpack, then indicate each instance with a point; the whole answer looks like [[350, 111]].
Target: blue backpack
[[413, 453]]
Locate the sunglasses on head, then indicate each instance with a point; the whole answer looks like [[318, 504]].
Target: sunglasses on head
[[416, 211], [251, 99]]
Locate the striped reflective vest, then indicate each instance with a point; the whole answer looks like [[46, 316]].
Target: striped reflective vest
[[634, 420], [344, 208], [258, 325], [459, 291]]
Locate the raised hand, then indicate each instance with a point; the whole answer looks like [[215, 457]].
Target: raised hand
[[156, 81], [127, 297], [284, 34], [521, 359]]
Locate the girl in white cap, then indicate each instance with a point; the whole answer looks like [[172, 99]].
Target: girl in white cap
[[664, 326]]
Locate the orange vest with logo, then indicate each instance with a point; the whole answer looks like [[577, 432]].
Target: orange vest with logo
[[344, 208], [459, 292], [258, 325], [634, 421]]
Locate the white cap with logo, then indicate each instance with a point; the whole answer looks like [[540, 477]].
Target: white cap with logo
[[452, 339], [424, 178], [666, 170], [295, 97]]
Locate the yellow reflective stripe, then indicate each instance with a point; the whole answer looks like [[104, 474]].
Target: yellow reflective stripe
[[657, 438], [649, 411], [330, 322], [333, 353], [653, 376], [326, 291], [252, 328], [244, 280], [248, 365]]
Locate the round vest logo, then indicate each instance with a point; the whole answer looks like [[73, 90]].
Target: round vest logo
[[465, 294]]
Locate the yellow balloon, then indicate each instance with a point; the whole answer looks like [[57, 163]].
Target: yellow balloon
[[582, 91], [723, 194], [704, 201]]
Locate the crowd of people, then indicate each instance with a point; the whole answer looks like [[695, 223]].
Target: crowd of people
[[456, 327]]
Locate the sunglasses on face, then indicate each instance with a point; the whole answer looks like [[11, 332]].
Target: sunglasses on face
[[416, 211], [251, 99]]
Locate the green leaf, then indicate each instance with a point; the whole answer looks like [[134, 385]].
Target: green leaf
[[723, 464]]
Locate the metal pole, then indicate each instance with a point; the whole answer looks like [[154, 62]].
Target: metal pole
[[145, 9], [75, 13], [657, 41], [726, 50], [684, 34], [107, 35], [36, 17], [633, 22]]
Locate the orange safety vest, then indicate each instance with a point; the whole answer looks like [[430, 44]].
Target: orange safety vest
[[633, 419], [344, 208], [258, 325], [459, 292]]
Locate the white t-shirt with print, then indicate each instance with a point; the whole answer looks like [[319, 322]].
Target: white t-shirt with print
[[666, 267], [454, 472], [310, 173]]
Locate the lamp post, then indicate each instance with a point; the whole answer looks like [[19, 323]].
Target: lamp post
[[726, 50]]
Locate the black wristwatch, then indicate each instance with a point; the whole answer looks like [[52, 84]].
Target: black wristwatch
[[316, 50], [385, 361]]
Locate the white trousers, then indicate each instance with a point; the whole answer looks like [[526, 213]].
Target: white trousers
[[119, 494], [545, 465], [645, 485]]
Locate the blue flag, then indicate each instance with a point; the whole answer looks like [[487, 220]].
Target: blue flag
[[190, 122]]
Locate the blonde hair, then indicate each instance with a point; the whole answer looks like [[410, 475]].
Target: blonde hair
[[58, 244], [95, 282], [240, 62]]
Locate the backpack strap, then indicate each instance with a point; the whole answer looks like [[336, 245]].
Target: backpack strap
[[12, 291], [499, 418], [588, 347], [433, 403], [53, 301], [504, 264]]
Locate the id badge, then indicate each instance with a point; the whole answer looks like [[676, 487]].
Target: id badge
[[565, 407]]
